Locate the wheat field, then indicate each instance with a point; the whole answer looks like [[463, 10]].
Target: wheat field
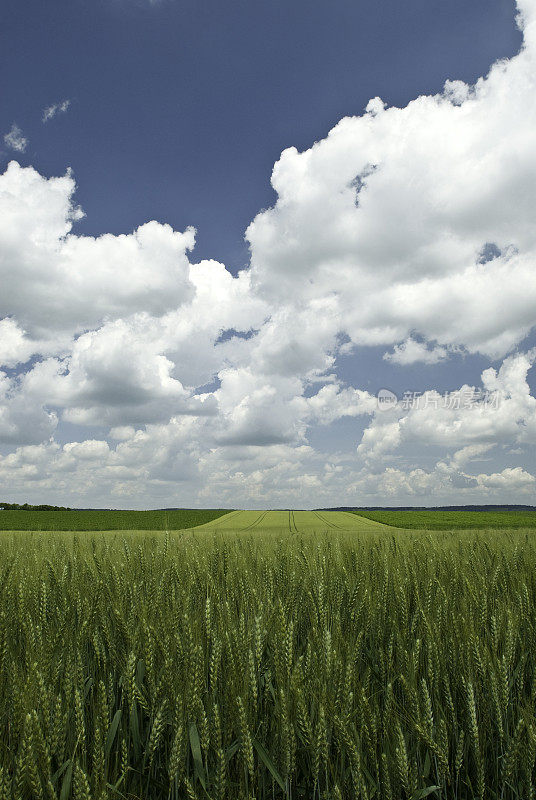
[[213, 664]]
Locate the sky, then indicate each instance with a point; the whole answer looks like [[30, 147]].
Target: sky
[[267, 254]]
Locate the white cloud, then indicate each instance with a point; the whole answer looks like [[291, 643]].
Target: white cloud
[[332, 402], [15, 346], [21, 420], [431, 487], [471, 452], [15, 139], [411, 351], [390, 215], [500, 411], [56, 108], [511, 479], [54, 281]]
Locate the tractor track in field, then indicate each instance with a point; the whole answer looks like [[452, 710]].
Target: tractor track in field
[[327, 522], [292, 522], [222, 520], [287, 520], [255, 522]]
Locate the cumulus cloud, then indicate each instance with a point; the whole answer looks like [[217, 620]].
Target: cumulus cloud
[[22, 421], [56, 108], [15, 139], [412, 351], [54, 281], [510, 478], [392, 211], [430, 487], [407, 228], [501, 410], [15, 346]]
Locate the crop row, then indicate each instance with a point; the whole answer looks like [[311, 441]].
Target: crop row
[[255, 666]]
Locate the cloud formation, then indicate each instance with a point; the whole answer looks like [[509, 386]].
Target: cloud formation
[[411, 351], [56, 108], [15, 139], [501, 411], [411, 229], [391, 213]]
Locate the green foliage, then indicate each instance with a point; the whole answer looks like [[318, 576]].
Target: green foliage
[[292, 522], [432, 520], [105, 519], [212, 664], [27, 507]]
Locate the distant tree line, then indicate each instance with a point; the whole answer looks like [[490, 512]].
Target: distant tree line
[[504, 507], [27, 507]]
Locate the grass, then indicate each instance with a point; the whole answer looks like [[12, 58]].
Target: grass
[[262, 664], [106, 519], [432, 520], [292, 522]]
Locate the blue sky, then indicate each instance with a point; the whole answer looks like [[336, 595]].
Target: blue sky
[[175, 114], [180, 109]]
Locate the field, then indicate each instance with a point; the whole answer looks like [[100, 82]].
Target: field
[[180, 519], [268, 657], [432, 520], [108, 520], [105, 520], [292, 522]]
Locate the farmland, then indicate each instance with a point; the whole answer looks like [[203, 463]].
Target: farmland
[[105, 519], [282, 522], [268, 655], [180, 519], [431, 519]]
